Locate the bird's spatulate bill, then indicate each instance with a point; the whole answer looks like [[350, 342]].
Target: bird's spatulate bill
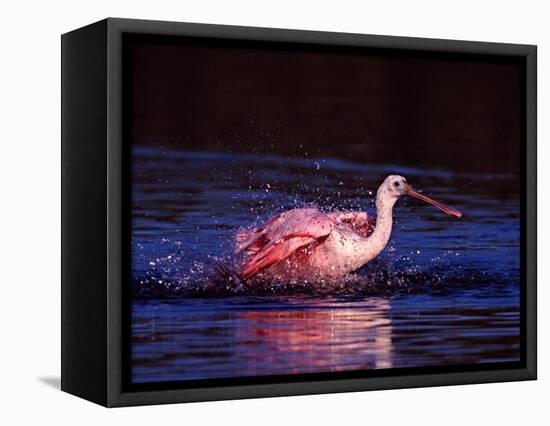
[[449, 210]]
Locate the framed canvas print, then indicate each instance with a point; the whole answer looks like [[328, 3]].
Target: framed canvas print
[[253, 212]]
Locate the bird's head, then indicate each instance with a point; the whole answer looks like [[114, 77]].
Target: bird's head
[[394, 186]]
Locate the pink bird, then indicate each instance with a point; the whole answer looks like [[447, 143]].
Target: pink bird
[[310, 245]]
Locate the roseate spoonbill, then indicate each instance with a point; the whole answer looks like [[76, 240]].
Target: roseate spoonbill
[[308, 244]]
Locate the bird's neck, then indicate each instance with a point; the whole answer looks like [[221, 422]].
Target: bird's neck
[[384, 221], [370, 247]]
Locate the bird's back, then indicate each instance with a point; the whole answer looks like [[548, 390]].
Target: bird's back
[[299, 235]]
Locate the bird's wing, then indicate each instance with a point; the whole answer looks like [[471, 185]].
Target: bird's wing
[[280, 237], [252, 240], [360, 222]]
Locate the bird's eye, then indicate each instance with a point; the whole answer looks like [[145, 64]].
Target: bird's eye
[[396, 184]]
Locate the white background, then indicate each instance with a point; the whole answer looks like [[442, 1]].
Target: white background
[[30, 210]]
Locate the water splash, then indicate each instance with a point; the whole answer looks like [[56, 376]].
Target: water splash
[[179, 274]]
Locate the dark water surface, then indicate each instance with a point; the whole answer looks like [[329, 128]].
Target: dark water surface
[[445, 291]]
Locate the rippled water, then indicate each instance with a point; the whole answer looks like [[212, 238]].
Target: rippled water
[[445, 291]]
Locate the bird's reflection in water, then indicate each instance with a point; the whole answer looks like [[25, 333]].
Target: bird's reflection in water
[[319, 337]]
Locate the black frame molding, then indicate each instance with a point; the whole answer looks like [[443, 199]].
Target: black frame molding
[[93, 232]]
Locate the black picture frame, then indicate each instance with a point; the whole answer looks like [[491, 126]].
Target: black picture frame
[[95, 226]]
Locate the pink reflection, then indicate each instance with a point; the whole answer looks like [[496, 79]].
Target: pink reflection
[[317, 339]]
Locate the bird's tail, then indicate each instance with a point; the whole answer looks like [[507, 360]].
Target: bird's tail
[[227, 275]]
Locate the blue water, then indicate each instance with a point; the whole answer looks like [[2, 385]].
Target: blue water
[[445, 291]]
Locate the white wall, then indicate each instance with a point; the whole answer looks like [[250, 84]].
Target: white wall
[[29, 226]]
